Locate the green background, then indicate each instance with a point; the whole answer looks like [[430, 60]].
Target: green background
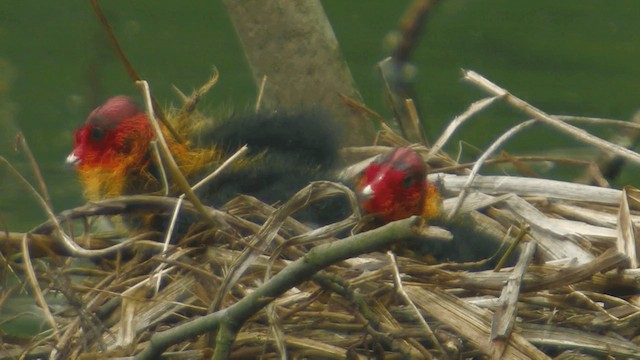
[[574, 57]]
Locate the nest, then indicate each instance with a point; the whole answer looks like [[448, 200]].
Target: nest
[[249, 281]]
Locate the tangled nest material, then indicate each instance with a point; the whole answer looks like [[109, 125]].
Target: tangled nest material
[[261, 284]]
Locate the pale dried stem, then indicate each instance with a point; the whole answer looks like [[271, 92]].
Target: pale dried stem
[[598, 121], [192, 101], [263, 85], [67, 242], [33, 280], [157, 159], [176, 210], [233, 158], [35, 168], [457, 122], [171, 163], [505, 315], [476, 167], [412, 112], [405, 297], [626, 240], [538, 114]]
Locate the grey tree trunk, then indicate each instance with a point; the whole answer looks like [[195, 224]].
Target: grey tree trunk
[[293, 44]]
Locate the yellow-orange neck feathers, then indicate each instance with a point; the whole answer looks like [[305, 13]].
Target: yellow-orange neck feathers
[[113, 156]]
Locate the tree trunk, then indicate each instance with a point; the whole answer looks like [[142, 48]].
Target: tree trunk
[[293, 44]]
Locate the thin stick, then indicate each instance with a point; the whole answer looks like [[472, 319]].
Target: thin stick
[[415, 120], [400, 290], [598, 121], [155, 152], [355, 105], [390, 97], [131, 71], [195, 187], [157, 273], [172, 224], [71, 246], [192, 101], [237, 155], [522, 105], [476, 168], [263, 84], [505, 315], [171, 162], [20, 139], [500, 160], [33, 280], [411, 26], [457, 122], [626, 239], [176, 210], [523, 229]]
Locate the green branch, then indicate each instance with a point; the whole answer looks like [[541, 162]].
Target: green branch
[[232, 318]]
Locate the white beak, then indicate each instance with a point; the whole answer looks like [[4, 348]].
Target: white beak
[[366, 192], [72, 159]]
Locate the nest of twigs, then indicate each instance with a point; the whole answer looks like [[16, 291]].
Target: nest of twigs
[[259, 284]]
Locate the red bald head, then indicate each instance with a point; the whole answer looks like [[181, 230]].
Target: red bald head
[[394, 186], [119, 128]]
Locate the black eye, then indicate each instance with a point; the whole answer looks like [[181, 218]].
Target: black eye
[[408, 181], [97, 133]]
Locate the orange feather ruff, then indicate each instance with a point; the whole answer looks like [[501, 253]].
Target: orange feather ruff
[[112, 151]]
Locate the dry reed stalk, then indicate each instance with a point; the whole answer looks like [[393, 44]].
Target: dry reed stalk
[[282, 288]]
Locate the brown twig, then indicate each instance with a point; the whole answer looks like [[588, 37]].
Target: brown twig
[[131, 71], [411, 25], [22, 142]]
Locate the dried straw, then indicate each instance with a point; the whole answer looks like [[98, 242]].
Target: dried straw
[[269, 286]]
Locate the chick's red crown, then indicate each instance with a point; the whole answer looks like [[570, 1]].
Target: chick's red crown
[[116, 132], [394, 186]]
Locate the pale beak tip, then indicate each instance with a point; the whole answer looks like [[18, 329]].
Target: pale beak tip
[[365, 193], [72, 159]]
